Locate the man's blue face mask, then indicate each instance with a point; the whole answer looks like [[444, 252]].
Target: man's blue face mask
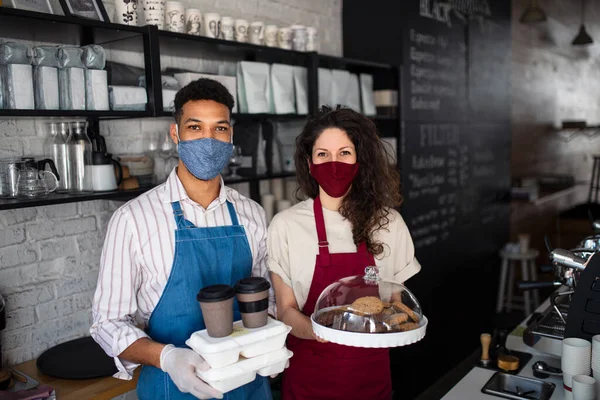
[[205, 158]]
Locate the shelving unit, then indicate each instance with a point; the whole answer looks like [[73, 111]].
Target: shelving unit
[[74, 113], [568, 131], [98, 32], [119, 195]]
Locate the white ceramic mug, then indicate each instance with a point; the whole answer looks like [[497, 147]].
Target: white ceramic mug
[[284, 38], [193, 22], [312, 39], [227, 28], [271, 35], [257, 32], [299, 37], [104, 178], [241, 30], [154, 12], [212, 25], [126, 12], [175, 16]]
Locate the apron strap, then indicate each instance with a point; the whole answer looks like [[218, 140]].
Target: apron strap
[[232, 213], [362, 248], [321, 232], [180, 220]]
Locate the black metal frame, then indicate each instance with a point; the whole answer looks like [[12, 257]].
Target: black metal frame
[[65, 6], [151, 37]]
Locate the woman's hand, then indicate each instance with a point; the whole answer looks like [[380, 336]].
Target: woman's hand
[[318, 339], [288, 311]]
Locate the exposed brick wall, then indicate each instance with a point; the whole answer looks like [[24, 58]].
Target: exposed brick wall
[[552, 81], [48, 271], [49, 255]]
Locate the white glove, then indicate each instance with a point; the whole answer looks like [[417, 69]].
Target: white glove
[[181, 365]]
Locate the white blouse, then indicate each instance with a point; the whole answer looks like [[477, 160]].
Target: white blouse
[[292, 246]]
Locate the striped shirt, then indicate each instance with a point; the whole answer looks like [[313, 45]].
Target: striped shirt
[[138, 255]]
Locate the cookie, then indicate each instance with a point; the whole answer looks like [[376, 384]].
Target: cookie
[[397, 319], [387, 312], [400, 307], [369, 305], [407, 326]]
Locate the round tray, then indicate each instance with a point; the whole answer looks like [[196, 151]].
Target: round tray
[[371, 340]]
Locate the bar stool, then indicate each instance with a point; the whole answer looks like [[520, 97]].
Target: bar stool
[[528, 267]]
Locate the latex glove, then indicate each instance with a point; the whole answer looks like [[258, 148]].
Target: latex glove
[[181, 365]]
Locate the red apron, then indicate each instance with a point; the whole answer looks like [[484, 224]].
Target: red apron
[[328, 370]]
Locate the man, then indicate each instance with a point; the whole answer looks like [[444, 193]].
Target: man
[[164, 246]]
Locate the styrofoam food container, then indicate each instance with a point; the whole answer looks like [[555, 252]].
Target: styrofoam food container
[[369, 340], [219, 352], [244, 371]]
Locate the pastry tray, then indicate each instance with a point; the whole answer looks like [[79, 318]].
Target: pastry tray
[[369, 340]]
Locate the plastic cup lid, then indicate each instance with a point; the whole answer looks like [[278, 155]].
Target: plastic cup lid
[[252, 285], [215, 293]]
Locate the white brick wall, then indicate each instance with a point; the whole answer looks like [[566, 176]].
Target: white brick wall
[[49, 255], [48, 271]]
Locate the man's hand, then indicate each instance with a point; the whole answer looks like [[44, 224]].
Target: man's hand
[[181, 365]]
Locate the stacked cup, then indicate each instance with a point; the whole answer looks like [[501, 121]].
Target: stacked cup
[[596, 361], [584, 387], [575, 360]]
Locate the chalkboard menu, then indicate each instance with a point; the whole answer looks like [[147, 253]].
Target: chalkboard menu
[[489, 61], [456, 138], [455, 179], [434, 74]]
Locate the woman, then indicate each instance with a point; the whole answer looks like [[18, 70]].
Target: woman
[[348, 223]]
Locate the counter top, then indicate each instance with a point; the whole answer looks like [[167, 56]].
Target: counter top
[[469, 387], [97, 389]]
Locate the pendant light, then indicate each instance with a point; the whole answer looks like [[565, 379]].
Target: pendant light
[[533, 13], [583, 38]]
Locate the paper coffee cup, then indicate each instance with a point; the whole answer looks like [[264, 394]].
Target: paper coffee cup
[[216, 303], [584, 387], [253, 301]]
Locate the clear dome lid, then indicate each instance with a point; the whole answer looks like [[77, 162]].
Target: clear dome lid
[[368, 304]]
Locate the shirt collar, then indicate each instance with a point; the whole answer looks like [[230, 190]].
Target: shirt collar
[[175, 191]]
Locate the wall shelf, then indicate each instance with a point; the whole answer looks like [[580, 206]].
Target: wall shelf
[[74, 113], [118, 195], [223, 44], [61, 19], [57, 198]]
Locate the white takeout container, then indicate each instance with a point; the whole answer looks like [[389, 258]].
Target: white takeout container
[[370, 340], [220, 352], [244, 371]]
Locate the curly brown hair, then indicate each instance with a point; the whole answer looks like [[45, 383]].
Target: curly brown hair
[[376, 187]]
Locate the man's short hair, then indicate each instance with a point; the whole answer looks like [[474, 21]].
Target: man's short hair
[[202, 89]]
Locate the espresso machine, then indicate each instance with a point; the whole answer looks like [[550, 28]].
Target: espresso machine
[[575, 306]]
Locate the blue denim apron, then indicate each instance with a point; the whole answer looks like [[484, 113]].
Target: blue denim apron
[[203, 257]]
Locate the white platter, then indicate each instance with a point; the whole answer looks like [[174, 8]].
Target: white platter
[[370, 340]]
